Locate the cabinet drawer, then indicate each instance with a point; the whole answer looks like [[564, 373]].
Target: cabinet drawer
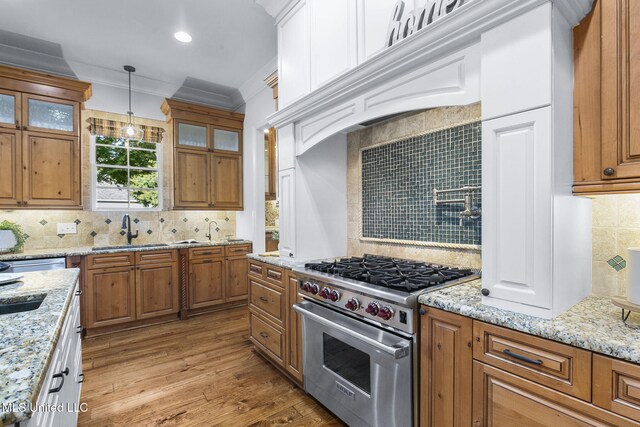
[[274, 275], [256, 269], [616, 386], [236, 250], [156, 257], [558, 366], [124, 259], [267, 338], [268, 300], [208, 252]]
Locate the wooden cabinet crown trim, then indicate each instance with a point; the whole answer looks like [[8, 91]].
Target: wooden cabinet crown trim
[[34, 78]]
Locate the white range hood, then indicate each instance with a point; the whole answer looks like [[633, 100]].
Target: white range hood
[[513, 56]]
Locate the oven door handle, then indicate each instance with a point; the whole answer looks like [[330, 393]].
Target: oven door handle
[[397, 351]]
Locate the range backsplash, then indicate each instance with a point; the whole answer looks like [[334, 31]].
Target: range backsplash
[[104, 228], [405, 223]]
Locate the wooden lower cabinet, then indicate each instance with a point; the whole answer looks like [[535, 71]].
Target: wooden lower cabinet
[[501, 399], [446, 351], [157, 290], [236, 283], [110, 296], [294, 330], [481, 375], [206, 281], [272, 293]]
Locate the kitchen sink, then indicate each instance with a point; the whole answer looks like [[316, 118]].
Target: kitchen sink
[[150, 245], [19, 307]]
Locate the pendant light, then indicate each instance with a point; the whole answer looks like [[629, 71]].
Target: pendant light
[[130, 131]]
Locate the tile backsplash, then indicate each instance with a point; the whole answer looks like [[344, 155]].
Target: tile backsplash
[[98, 228], [398, 180], [415, 131], [616, 227]]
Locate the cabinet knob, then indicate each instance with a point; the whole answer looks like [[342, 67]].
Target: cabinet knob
[[485, 292], [609, 171]]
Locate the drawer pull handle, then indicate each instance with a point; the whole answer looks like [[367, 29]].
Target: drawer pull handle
[[81, 378], [520, 357], [207, 253], [79, 292], [274, 275], [79, 329], [60, 375], [255, 269], [265, 299], [264, 335]]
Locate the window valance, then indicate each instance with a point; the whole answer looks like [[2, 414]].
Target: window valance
[[111, 128]]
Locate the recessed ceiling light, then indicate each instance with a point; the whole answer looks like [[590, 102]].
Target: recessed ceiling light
[[183, 37]]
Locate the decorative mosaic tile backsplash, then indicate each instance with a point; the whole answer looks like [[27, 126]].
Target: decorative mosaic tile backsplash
[[398, 180], [104, 228]]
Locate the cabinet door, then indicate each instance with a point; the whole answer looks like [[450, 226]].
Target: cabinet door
[[501, 399], [10, 110], [50, 115], [10, 167], [517, 210], [51, 175], [293, 55], [206, 283], [227, 140], [287, 194], [237, 283], [446, 352], [620, 89], [192, 135], [226, 171], [191, 179], [110, 296], [294, 331], [157, 290]]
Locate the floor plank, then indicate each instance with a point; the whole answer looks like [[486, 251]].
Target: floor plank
[[198, 372]]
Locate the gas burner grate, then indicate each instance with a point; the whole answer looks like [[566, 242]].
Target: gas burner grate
[[394, 273]]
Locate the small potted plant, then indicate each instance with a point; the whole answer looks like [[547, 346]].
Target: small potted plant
[[11, 237]]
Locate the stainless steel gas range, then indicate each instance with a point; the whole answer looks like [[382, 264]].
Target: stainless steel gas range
[[359, 332]]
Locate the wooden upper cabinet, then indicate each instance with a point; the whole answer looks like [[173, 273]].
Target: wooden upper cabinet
[[39, 144], [10, 167], [226, 172], [192, 179], [51, 166], [207, 156], [606, 111]]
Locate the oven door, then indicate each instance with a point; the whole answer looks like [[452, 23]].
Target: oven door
[[360, 372]]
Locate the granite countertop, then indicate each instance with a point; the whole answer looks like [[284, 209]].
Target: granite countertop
[[87, 250], [28, 339], [592, 324], [274, 259]]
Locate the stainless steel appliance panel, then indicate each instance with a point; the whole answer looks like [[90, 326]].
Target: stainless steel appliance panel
[[362, 373]]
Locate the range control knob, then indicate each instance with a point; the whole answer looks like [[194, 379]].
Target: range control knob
[[334, 295], [324, 293], [305, 286], [385, 313], [373, 308], [353, 304], [313, 288]]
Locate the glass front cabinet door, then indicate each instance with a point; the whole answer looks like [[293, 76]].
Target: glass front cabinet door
[[192, 135], [9, 109], [227, 140], [50, 115]]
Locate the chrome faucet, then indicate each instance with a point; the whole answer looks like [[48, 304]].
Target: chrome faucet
[[126, 225], [209, 235], [469, 211]]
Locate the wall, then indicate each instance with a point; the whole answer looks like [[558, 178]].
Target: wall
[[404, 126], [616, 227]]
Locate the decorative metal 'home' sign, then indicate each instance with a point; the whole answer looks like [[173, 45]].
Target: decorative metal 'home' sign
[[404, 22]]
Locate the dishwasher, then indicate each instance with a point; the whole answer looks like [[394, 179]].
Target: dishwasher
[[38, 264]]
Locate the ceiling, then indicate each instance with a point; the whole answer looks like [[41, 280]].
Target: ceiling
[[232, 40]]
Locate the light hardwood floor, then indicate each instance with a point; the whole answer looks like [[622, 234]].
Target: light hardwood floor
[[198, 372]]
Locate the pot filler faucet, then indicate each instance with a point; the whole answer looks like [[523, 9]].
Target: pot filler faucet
[[469, 211], [126, 225]]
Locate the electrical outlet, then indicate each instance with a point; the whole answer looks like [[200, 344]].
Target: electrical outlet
[[67, 228]]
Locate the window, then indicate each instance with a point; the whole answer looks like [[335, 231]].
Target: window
[[126, 174]]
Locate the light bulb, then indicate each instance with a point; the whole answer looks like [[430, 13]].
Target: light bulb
[[130, 130]]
